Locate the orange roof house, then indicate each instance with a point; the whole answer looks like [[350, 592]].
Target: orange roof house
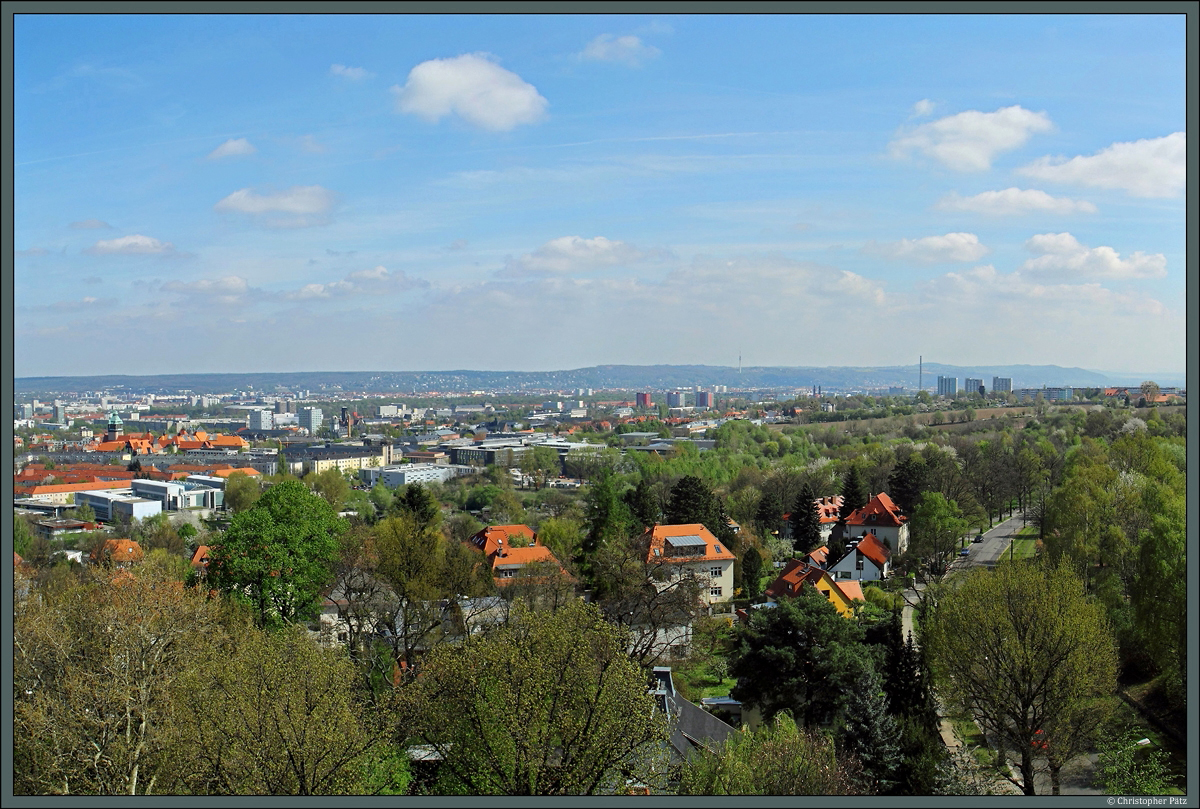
[[865, 559], [880, 517], [693, 551], [492, 538], [118, 552], [798, 574]]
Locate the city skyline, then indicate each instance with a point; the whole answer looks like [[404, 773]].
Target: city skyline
[[282, 193]]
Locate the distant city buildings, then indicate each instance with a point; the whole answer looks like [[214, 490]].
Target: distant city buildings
[[947, 385], [973, 386], [675, 399], [311, 419], [641, 399], [262, 420], [704, 400], [1001, 384]]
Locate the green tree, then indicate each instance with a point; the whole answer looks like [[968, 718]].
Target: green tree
[[769, 516], [780, 758], [277, 716], [548, 705], [1159, 590], [23, 536], [418, 501], [1126, 767], [241, 492], [278, 554], [870, 733], [801, 656], [937, 527], [330, 485], [607, 514], [752, 567], [94, 662], [381, 497], [805, 522], [541, 463], [1026, 653]]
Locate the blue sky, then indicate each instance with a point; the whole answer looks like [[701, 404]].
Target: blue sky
[[279, 193]]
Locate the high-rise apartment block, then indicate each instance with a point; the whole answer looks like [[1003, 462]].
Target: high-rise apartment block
[[947, 385], [973, 386], [644, 400], [704, 400], [1001, 384], [311, 418], [262, 420], [675, 399]]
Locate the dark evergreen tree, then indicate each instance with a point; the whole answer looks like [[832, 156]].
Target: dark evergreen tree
[[906, 483], [420, 503], [643, 506], [752, 564], [607, 514], [854, 493], [805, 522], [769, 516], [693, 502], [802, 656], [870, 732]]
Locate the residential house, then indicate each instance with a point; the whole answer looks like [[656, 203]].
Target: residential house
[[882, 518], [692, 550], [866, 559], [506, 560], [798, 573], [118, 553], [827, 508]]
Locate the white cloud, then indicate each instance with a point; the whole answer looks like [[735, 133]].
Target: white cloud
[[234, 147], [1151, 167], [969, 141], [627, 50], [572, 254], [1062, 256], [302, 205], [32, 251], [352, 73], [931, 249], [1014, 201], [921, 108], [473, 87], [90, 224], [375, 281], [230, 290], [136, 244]]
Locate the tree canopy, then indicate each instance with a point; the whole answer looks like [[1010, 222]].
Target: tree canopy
[[1026, 652], [279, 553]]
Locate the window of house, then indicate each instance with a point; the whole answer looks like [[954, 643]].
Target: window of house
[[843, 574], [714, 572], [714, 591]]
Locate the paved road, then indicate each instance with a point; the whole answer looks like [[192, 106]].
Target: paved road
[[995, 544]]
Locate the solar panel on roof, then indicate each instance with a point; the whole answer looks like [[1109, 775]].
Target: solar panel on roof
[[686, 542]]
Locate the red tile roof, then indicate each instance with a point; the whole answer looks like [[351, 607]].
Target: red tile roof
[[880, 511], [490, 539], [873, 549], [793, 577], [659, 534]]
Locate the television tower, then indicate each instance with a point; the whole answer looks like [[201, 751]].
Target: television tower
[[920, 372]]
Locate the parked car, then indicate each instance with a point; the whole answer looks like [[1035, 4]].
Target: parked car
[[964, 552]]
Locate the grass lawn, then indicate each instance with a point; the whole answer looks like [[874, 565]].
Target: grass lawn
[[972, 737], [1024, 545]]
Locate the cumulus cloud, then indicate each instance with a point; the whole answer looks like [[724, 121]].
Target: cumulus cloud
[[628, 50], [229, 290], [301, 205], [375, 281], [234, 147], [969, 141], [572, 254], [1151, 167], [1013, 202], [473, 87], [921, 108], [137, 244], [1060, 255], [931, 249], [352, 73], [90, 224]]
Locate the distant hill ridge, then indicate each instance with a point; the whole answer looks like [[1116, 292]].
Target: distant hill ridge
[[629, 377]]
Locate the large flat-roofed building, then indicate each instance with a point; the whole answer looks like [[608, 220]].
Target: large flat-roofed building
[[947, 385], [112, 504], [1048, 394], [180, 495], [973, 386], [405, 474], [1001, 384], [311, 419]]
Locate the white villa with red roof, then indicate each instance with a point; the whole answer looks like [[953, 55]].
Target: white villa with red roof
[[866, 559], [692, 550], [880, 518]]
